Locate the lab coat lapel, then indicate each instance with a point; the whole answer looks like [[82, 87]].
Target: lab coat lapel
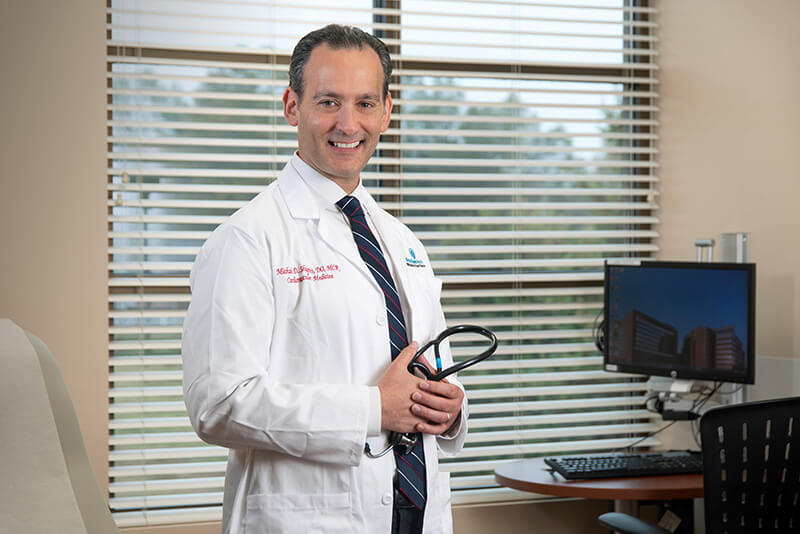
[[342, 243], [303, 204], [395, 253]]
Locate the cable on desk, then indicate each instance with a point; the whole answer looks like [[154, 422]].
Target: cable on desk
[[702, 398]]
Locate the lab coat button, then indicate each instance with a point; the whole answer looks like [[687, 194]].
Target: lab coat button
[[386, 499], [380, 319]]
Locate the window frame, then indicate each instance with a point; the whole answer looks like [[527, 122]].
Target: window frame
[[395, 201]]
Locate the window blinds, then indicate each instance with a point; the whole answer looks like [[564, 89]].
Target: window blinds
[[522, 152]]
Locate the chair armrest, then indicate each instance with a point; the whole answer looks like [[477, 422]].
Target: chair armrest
[[627, 524]]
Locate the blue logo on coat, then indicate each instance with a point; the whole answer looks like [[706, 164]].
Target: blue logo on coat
[[412, 261]]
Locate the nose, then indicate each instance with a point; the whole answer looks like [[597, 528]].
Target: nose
[[346, 120]]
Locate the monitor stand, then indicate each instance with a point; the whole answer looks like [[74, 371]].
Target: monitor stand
[[731, 393], [681, 386]]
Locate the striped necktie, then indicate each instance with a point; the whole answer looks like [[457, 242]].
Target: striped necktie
[[411, 466]]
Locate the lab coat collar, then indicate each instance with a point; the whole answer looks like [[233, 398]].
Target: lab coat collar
[[306, 191], [310, 195], [324, 191]]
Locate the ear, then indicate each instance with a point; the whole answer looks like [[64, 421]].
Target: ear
[[290, 104], [387, 112]]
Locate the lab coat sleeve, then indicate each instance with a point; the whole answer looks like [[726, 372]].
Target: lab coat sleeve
[[451, 442], [231, 397]]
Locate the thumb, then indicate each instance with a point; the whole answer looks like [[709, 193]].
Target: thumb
[[408, 353], [408, 356]]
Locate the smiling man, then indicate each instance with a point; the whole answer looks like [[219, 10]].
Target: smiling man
[[307, 306], [345, 107]]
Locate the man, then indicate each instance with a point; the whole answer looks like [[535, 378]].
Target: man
[[300, 302]]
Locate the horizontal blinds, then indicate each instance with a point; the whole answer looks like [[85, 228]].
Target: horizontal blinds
[[522, 151]]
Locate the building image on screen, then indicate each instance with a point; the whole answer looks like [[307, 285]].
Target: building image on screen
[[693, 322]]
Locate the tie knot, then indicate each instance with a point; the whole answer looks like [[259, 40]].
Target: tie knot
[[350, 206]]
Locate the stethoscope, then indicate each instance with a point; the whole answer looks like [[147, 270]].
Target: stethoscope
[[408, 440]]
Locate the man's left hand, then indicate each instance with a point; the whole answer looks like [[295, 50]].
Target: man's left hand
[[439, 403]]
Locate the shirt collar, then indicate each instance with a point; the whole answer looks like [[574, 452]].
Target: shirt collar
[[327, 192]]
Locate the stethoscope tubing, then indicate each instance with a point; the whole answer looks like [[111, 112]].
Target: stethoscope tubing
[[416, 366], [420, 369]]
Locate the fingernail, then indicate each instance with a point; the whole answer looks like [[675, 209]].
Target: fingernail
[[416, 396], [424, 385], [415, 409]]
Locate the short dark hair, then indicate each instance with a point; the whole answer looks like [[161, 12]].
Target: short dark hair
[[336, 36]]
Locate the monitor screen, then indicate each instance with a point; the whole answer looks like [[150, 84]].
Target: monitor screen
[[680, 319]]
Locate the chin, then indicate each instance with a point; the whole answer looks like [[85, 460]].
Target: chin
[[345, 173]]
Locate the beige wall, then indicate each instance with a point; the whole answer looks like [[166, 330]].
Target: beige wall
[[52, 194], [730, 144], [730, 126]]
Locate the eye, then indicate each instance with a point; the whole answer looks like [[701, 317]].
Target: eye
[[367, 105], [327, 103]]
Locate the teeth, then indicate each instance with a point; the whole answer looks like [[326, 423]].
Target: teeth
[[346, 145]]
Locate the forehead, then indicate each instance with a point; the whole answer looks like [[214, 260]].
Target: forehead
[[343, 71]]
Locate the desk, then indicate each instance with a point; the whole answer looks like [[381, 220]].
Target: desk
[[533, 475]]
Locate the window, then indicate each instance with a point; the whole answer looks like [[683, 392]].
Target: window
[[522, 152]]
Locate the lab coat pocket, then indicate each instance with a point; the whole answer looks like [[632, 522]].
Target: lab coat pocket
[[307, 513]]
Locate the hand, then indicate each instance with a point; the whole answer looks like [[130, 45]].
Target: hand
[[439, 404], [397, 386]]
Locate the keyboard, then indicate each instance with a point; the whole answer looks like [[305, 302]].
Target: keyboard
[[631, 464]]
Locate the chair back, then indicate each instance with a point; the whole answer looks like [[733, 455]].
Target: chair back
[[47, 482], [751, 467]]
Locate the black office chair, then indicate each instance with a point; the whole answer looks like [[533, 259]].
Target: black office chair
[[751, 471]]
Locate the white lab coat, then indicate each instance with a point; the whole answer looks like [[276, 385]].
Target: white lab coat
[[285, 332]]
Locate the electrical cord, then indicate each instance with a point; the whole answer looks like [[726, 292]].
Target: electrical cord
[[696, 422], [696, 433], [598, 331], [697, 405], [702, 398], [641, 439], [737, 390], [657, 407]]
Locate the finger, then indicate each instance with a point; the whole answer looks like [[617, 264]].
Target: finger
[[433, 416], [433, 429], [407, 353], [441, 389], [436, 402]]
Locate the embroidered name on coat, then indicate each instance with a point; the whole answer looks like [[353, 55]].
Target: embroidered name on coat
[[307, 273]]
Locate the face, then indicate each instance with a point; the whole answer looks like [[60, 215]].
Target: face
[[341, 114]]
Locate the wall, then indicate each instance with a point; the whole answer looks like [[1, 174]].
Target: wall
[[729, 162], [730, 132], [52, 194]]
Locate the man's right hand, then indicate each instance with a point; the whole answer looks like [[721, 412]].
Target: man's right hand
[[396, 387]]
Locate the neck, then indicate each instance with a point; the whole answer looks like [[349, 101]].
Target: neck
[[348, 184]]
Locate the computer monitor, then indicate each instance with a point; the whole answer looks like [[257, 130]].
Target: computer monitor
[[683, 320]]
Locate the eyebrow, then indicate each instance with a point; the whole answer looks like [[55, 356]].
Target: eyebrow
[[368, 96]]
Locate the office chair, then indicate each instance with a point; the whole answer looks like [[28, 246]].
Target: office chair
[[751, 471], [47, 483]]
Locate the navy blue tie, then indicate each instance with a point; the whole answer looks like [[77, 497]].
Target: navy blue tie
[[411, 466]]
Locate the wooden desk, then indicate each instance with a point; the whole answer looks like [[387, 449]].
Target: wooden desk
[[533, 475]]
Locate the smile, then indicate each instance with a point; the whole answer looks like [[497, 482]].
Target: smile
[[345, 145]]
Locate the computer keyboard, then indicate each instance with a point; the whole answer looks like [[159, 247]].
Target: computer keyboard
[[626, 464]]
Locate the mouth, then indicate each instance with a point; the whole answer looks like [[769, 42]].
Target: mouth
[[337, 144]]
